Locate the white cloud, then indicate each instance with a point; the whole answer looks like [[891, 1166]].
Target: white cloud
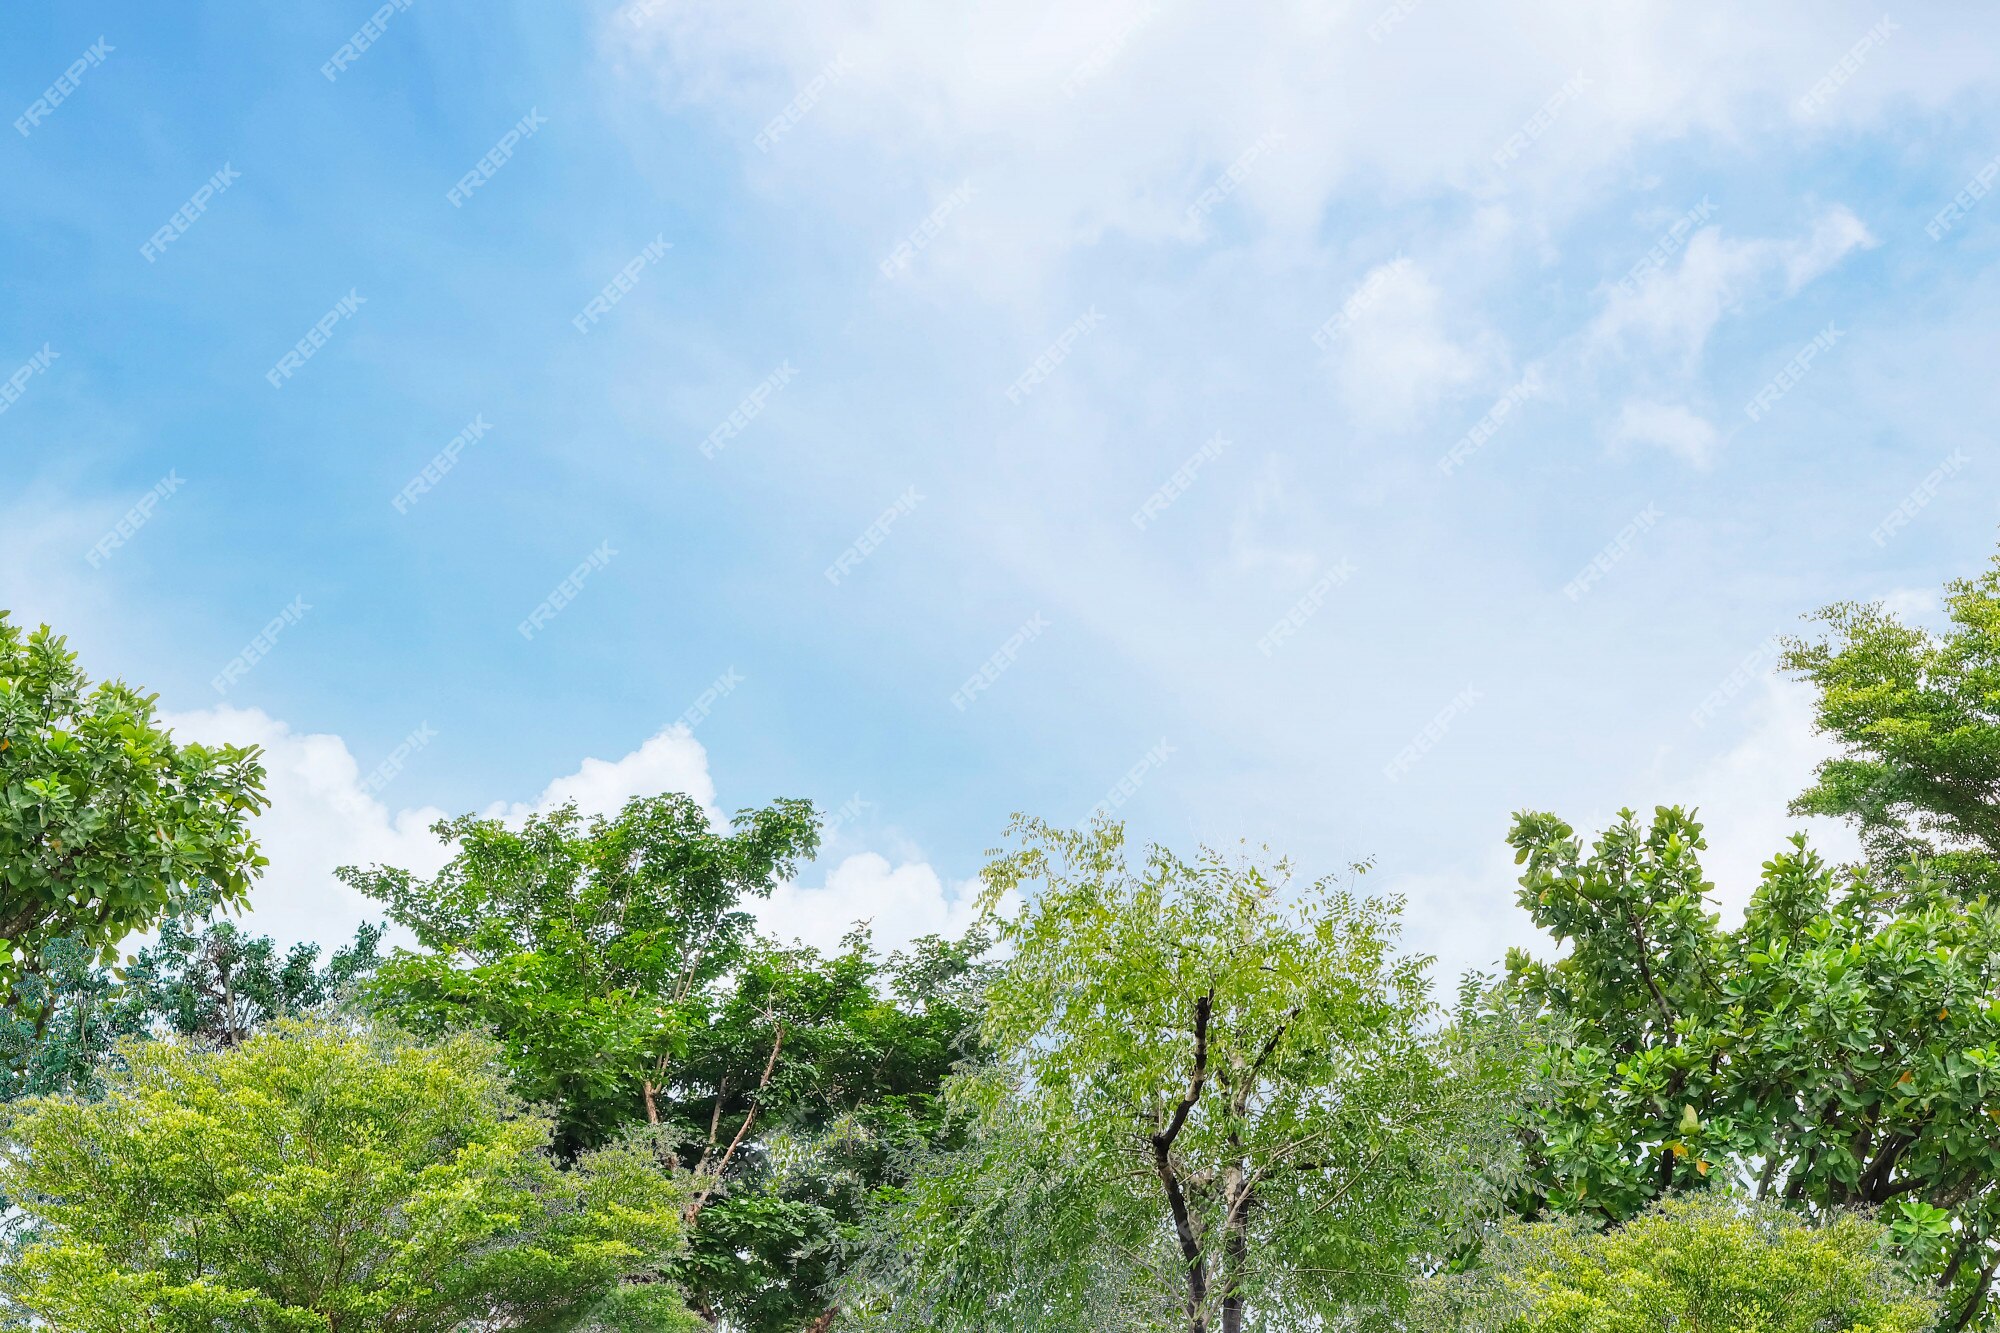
[[1397, 358], [322, 816], [1742, 793], [673, 760], [901, 903], [1668, 426], [1467, 915], [1835, 234], [1082, 121], [1676, 308], [1914, 606]]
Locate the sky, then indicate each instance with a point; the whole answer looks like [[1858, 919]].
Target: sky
[[1325, 427]]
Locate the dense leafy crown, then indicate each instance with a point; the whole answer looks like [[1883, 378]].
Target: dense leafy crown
[[315, 1178], [1840, 1048], [1218, 1097], [106, 824], [1916, 715], [1697, 1264]]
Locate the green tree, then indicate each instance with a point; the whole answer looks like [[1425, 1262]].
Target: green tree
[[213, 986], [216, 986], [107, 826], [1917, 718], [317, 1178], [589, 950], [1840, 1048], [1705, 1264], [616, 965], [826, 1073], [1219, 1099]]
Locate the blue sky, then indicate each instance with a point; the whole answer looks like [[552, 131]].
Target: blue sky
[[1192, 193]]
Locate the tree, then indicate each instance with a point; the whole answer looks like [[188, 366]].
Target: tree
[[825, 1124], [106, 825], [213, 987], [588, 950], [319, 1178], [616, 966], [1218, 1100], [1840, 1048], [1698, 1263], [1917, 719]]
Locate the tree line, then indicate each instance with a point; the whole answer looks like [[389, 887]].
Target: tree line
[[1150, 1090]]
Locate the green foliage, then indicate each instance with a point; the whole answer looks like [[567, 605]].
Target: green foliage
[[213, 987], [1218, 1098], [315, 1178], [1840, 1048], [219, 985], [863, 1052], [1695, 1263], [616, 966], [106, 825], [587, 950], [1917, 718]]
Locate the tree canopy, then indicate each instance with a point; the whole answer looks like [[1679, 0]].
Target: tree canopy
[[1840, 1048], [107, 825], [1699, 1263], [1218, 1098], [588, 949], [318, 1178], [1916, 716]]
